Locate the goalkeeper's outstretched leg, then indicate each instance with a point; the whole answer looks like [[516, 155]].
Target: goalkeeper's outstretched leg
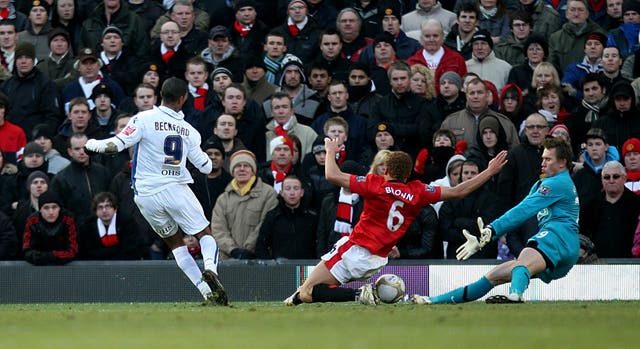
[[549, 254]]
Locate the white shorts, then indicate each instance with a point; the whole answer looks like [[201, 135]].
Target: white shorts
[[169, 209], [347, 261]]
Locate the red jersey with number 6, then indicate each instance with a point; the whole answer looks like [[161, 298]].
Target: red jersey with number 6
[[389, 210]]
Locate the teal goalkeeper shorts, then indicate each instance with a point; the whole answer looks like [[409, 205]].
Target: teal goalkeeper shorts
[[560, 254]]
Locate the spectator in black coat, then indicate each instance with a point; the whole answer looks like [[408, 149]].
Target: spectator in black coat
[[247, 33], [611, 219], [76, 184], [519, 174], [33, 96], [37, 183], [301, 32], [14, 189], [623, 121], [288, 230], [117, 61], [107, 236], [50, 235], [168, 55], [402, 109]]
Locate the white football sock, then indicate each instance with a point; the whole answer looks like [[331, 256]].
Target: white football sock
[[188, 265], [209, 249]]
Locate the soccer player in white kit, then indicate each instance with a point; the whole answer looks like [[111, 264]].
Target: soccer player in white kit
[[163, 143]]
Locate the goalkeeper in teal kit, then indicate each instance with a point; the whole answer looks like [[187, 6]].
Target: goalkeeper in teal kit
[[549, 254]]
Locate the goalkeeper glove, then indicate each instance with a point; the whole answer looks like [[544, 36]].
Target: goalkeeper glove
[[486, 232], [469, 248]]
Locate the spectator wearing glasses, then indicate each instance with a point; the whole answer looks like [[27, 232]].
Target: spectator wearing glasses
[[611, 219]]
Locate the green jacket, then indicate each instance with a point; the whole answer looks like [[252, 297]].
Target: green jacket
[[511, 51], [546, 20], [566, 46]]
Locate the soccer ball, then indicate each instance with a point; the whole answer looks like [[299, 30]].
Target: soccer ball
[[390, 288]]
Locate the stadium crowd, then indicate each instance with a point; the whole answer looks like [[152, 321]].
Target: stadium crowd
[[452, 83]]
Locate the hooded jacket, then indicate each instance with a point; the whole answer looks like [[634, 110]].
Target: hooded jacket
[[620, 126]]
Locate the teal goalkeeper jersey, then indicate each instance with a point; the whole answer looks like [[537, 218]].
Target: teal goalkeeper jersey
[[555, 201]]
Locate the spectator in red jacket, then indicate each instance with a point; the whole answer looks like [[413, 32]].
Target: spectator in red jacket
[[437, 57]]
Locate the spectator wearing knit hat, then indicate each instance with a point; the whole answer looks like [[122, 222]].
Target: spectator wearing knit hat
[[58, 65], [14, 188], [622, 122], [384, 52], [484, 61], [44, 135], [591, 63], [38, 28], [405, 46], [33, 96], [36, 184], [221, 53], [50, 238], [566, 45], [239, 211], [255, 80], [247, 32], [382, 140], [118, 62], [293, 82], [301, 32], [631, 158], [281, 165], [105, 112]]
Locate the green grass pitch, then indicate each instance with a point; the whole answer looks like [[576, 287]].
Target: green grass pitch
[[271, 325]]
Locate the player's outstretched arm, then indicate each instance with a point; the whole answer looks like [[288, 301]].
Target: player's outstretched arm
[[463, 189], [331, 169], [109, 146]]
